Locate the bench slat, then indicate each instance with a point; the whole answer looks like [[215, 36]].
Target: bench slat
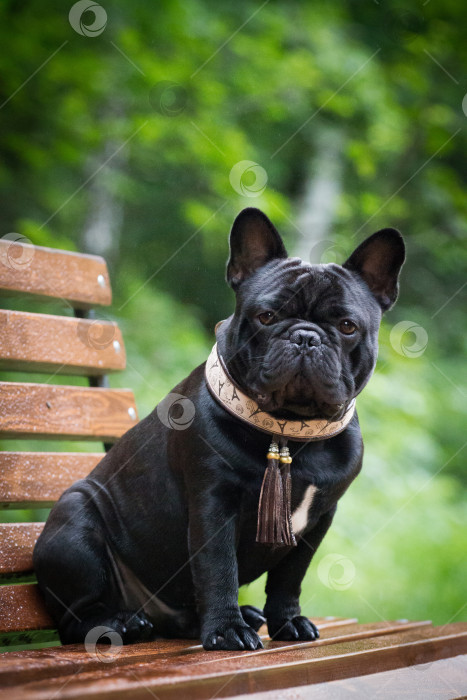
[[30, 479], [338, 660], [80, 279], [22, 608], [71, 412], [35, 664], [17, 541], [196, 674], [43, 343]]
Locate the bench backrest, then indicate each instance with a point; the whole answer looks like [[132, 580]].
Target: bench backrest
[[76, 344]]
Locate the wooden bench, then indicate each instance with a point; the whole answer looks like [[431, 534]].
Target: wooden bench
[[362, 657]]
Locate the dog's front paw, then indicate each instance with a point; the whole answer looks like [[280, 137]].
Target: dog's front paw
[[231, 636], [298, 629]]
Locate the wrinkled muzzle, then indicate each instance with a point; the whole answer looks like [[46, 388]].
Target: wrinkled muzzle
[[301, 372]]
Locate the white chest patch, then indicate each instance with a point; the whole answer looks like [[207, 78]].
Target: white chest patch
[[300, 514]]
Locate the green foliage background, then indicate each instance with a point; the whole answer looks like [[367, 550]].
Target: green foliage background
[[89, 127]]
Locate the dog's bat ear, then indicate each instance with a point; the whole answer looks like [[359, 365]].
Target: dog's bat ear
[[254, 241], [378, 261]]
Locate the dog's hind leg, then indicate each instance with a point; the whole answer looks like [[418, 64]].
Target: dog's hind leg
[[76, 577]]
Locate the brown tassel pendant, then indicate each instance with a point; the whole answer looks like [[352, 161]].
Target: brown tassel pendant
[[269, 530], [288, 536], [274, 510]]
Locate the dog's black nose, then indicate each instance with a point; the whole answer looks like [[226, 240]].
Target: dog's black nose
[[305, 338]]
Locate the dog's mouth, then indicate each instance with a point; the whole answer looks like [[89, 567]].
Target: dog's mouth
[[301, 397]]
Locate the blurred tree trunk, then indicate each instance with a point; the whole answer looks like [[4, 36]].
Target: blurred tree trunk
[[317, 209], [103, 223]]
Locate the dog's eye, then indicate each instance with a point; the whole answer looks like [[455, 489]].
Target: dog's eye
[[347, 327], [267, 317]]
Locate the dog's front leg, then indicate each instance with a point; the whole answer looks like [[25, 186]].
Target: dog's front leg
[[282, 609], [212, 536]]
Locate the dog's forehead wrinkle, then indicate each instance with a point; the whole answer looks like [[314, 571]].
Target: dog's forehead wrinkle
[[303, 290], [300, 291], [289, 266]]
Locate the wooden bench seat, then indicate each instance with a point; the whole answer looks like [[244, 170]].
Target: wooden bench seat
[[179, 669], [83, 346]]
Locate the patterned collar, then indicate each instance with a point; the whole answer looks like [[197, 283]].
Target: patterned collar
[[236, 402]]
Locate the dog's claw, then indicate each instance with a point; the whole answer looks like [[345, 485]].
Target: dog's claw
[[233, 637], [299, 628]]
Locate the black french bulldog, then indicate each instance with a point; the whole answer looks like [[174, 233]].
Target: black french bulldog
[[157, 539]]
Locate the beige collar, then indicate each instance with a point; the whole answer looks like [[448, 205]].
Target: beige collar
[[230, 396]]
